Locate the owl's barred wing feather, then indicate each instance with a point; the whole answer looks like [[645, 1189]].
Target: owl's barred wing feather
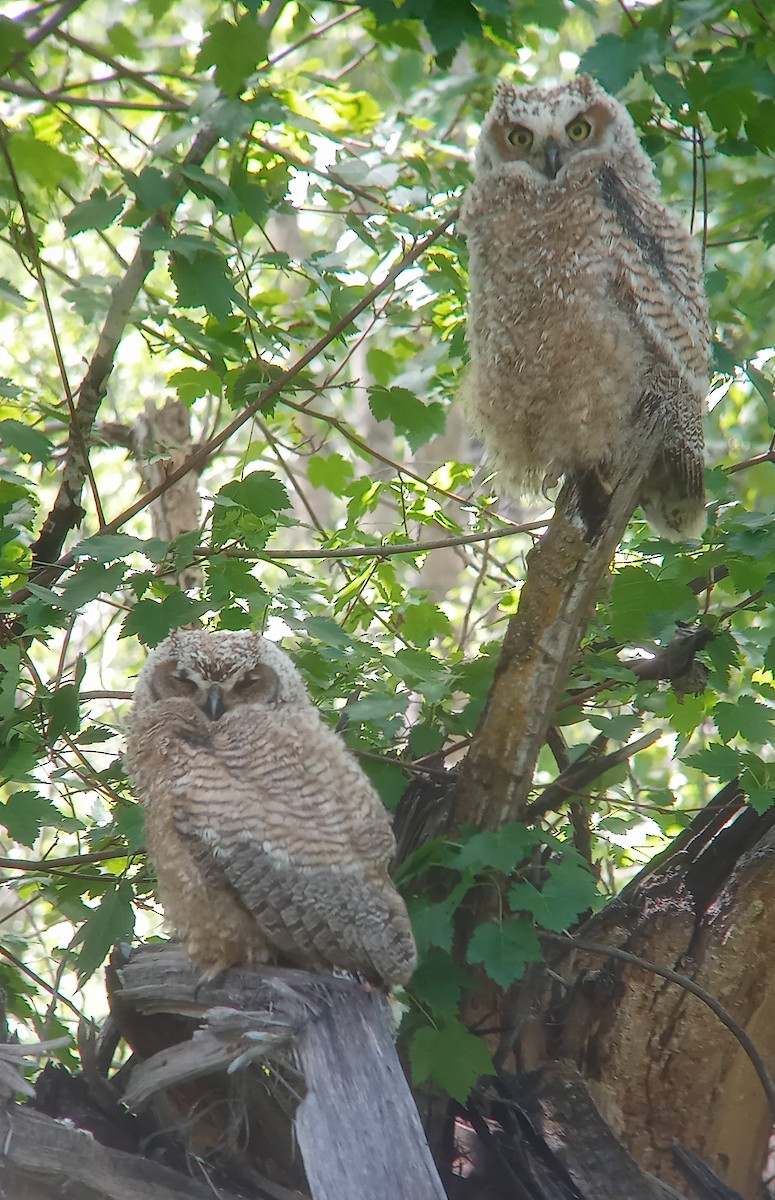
[[659, 275], [316, 917], [303, 843], [660, 281]]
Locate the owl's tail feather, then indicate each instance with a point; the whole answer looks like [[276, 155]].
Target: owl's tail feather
[[673, 496]]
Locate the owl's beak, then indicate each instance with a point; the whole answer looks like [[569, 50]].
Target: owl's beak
[[552, 162], [213, 705]]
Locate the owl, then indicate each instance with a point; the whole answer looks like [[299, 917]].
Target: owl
[[268, 841], [587, 306]]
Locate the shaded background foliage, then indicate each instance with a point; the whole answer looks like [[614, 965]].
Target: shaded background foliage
[[194, 198]]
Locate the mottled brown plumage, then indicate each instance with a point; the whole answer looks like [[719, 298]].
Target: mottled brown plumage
[[586, 303], [268, 841]]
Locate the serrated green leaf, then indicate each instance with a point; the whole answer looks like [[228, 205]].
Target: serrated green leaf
[[152, 188], [569, 891], [13, 296], [13, 44], [439, 982], [234, 50], [614, 60], [191, 383], [26, 440], [45, 163], [388, 780], [63, 712], [451, 1057], [376, 707], [260, 493], [90, 580], [416, 421], [718, 761], [640, 604], [112, 922], [328, 632], [203, 281], [23, 815], [104, 547], [332, 472], [747, 717], [98, 212], [504, 948], [152, 620], [498, 851]]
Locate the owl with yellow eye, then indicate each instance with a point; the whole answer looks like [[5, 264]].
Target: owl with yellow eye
[[586, 305]]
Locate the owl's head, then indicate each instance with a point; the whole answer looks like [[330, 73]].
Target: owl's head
[[219, 672], [546, 128]]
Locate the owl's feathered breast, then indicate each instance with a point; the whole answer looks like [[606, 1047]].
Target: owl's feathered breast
[[545, 323]]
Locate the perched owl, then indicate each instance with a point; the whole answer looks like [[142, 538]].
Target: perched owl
[[268, 841], [586, 304]]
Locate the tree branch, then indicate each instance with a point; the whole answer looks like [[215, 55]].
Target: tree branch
[[67, 513], [565, 574]]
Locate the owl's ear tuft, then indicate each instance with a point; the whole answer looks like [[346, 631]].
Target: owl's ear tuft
[[587, 86], [503, 88]]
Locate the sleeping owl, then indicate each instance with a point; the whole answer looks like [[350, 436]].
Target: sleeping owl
[[268, 841], [587, 305]]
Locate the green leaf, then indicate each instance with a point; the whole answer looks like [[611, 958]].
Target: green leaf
[[234, 51], [614, 60], [98, 212], [747, 717], [203, 281], [433, 923], [192, 384], [259, 493], [417, 422], [108, 546], [569, 891], [388, 780], [209, 187], [44, 163], [13, 296], [498, 851], [641, 605], [151, 621], [328, 632], [333, 472], [63, 712], [24, 814], [504, 948], [718, 761], [152, 189], [451, 1057], [13, 45], [90, 580], [439, 982], [375, 707], [112, 921], [26, 440]]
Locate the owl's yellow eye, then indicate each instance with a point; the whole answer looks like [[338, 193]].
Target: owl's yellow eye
[[520, 137], [578, 131]]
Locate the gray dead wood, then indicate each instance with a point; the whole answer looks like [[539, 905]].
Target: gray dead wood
[[43, 1159], [357, 1127]]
